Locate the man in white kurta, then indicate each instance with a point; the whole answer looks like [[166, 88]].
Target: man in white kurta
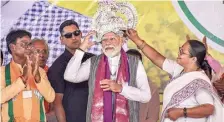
[[77, 72]]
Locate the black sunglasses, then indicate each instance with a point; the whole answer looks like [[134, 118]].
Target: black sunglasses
[[75, 33]]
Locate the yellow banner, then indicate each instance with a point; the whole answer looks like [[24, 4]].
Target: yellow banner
[[159, 25]]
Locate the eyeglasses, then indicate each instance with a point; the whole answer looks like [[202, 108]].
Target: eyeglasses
[[181, 52], [69, 35], [24, 44], [44, 51]]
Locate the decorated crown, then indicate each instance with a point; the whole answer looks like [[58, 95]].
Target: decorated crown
[[114, 16]]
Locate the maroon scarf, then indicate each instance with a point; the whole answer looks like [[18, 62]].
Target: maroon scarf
[[102, 101]]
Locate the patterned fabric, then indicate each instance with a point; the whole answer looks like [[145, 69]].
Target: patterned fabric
[[102, 101], [133, 106], [188, 90], [43, 21]]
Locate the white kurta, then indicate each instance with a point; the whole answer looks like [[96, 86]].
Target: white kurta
[[77, 72], [199, 98]]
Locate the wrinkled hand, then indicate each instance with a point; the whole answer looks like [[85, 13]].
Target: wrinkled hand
[[86, 44], [27, 69], [35, 67], [219, 85], [110, 85], [35, 64], [174, 113], [34, 59], [133, 35]]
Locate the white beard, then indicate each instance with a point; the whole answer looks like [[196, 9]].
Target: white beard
[[114, 53]]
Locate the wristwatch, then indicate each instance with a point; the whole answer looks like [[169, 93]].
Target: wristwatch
[[185, 112]]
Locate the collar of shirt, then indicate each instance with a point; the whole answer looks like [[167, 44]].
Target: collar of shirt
[[19, 66], [67, 54], [114, 63]]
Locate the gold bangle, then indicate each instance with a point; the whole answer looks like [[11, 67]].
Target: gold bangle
[[142, 45]]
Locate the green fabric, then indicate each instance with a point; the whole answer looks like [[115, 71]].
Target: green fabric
[[42, 115], [10, 103], [198, 25], [8, 82]]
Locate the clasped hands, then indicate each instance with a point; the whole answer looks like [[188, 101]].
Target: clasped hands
[[111, 85], [31, 67]]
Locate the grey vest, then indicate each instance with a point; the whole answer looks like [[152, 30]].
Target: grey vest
[[133, 105]]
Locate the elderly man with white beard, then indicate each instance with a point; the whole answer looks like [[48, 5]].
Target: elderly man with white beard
[[117, 81]]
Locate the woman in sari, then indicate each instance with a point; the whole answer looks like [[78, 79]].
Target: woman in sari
[[189, 96], [217, 77]]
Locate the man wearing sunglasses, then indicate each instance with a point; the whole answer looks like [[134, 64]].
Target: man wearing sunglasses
[[71, 99], [24, 85]]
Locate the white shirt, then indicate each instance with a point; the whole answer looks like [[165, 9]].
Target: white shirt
[[200, 97], [77, 72]]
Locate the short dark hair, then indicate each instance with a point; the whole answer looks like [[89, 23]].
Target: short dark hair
[[67, 23], [135, 52], [14, 35]]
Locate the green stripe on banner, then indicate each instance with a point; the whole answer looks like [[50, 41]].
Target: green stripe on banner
[[202, 29], [8, 82], [42, 118]]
